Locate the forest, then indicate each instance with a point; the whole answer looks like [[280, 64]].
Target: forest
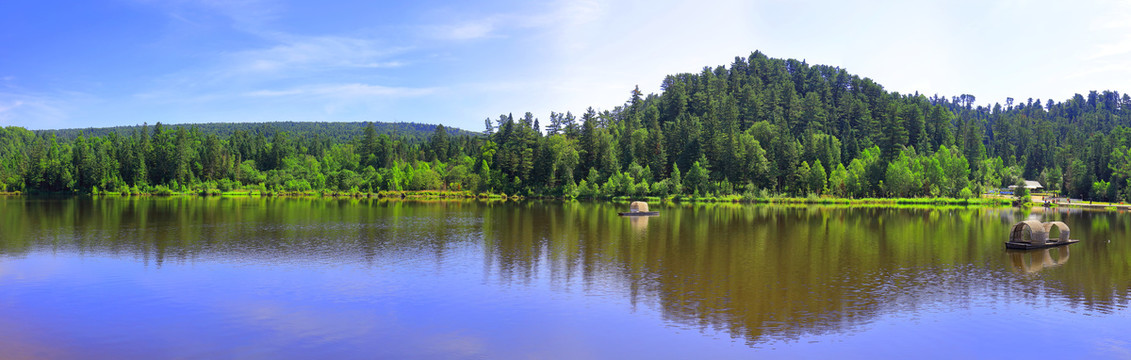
[[335, 131], [759, 127]]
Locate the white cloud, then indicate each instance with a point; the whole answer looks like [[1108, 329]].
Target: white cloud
[[7, 108], [466, 31], [280, 56], [1110, 30], [599, 50], [31, 111], [594, 52], [470, 26], [459, 63], [1113, 48], [248, 12], [1096, 70], [311, 54], [343, 91], [299, 65], [248, 15]]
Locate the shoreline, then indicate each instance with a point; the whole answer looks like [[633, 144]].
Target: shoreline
[[738, 199], [467, 195]]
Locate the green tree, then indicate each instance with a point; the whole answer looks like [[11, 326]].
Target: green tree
[[1021, 192], [439, 143], [803, 184], [899, 180], [838, 181], [697, 179], [817, 178], [895, 133], [676, 181]]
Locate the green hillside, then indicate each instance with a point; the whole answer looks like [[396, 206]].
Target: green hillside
[[758, 127], [337, 131]]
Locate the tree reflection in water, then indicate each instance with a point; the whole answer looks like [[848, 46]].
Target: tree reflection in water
[[766, 272], [758, 272]]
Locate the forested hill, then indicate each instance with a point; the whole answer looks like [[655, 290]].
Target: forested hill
[[337, 131], [758, 127]]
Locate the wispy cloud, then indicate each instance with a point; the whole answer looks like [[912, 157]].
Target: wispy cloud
[[247, 12], [1111, 31], [7, 108], [1097, 70], [278, 71], [311, 53], [31, 111], [269, 54], [248, 15], [594, 52], [1112, 48], [467, 26], [468, 30], [343, 91]]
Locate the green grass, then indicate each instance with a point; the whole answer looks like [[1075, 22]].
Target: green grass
[[818, 200], [749, 198]]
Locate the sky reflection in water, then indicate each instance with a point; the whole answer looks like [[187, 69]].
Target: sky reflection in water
[[238, 278]]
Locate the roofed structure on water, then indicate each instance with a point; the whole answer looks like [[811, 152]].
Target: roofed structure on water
[[1029, 184], [1033, 234], [638, 206]]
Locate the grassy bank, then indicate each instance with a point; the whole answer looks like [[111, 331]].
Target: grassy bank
[[440, 194], [429, 194], [819, 200]]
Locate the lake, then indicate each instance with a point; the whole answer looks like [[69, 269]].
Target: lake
[[349, 278]]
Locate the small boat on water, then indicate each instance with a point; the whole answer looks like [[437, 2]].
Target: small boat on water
[[639, 208], [1033, 234]]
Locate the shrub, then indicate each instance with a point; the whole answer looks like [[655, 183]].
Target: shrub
[[161, 190], [965, 193]]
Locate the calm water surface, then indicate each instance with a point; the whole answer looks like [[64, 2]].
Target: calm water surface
[[315, 278]]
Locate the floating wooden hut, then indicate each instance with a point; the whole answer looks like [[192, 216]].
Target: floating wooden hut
[[638, 208], [1033, 234]]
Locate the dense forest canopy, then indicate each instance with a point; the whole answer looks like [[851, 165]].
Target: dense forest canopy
[[335, 131], [759, 126]]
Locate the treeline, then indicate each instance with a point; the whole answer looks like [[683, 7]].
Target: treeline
[[760, 127], [177, 159], [335, 131]]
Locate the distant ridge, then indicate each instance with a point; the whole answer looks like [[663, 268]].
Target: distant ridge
[[340, 131]]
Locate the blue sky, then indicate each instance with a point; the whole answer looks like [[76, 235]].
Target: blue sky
[[96, 63]]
